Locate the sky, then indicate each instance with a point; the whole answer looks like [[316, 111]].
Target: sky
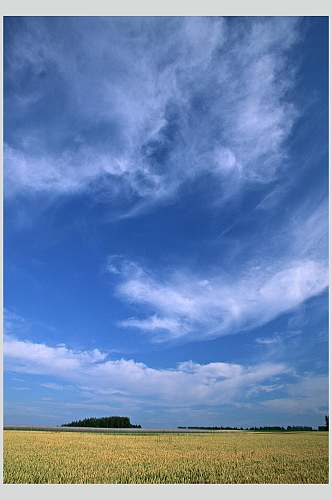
[[166, 220]]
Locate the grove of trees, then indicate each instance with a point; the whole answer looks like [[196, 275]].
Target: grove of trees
[[106, 422]]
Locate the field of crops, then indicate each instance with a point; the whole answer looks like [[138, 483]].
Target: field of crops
[[230, 457]]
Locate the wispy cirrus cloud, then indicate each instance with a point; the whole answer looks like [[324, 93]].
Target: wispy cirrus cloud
[[188, 306], [208, 97], [272, 276], [155, 323], [275, 339]]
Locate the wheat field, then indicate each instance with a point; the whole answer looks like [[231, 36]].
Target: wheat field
[[230, 457]]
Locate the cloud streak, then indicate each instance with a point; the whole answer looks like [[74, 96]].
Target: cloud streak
[[186, 305]]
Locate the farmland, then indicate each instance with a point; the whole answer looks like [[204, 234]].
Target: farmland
[[216, 457]]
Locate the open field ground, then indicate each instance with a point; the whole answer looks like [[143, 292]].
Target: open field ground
[[230, 457]]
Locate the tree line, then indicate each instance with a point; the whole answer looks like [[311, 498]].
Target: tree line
[[105, 422], [265, 428]]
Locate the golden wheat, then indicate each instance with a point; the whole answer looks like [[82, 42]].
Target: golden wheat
[[239, 457]]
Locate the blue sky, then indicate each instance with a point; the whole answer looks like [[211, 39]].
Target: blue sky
[[165, 220]]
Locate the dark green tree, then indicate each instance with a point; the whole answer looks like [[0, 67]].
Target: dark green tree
[[105, 422]]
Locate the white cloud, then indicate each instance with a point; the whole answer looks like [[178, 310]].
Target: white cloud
[[40, 358], [53, 386], [187, 384], [155, 323], [266, 388], [268, 340], [207, 93], [185, 305], [128, 384], [309, 229], [270, 278]]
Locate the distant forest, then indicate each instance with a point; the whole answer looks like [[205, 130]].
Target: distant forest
[[267, 428], [106, 422], [274, 428]]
